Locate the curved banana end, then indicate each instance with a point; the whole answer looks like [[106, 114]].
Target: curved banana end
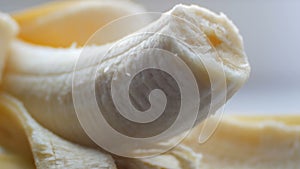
[[224, 36]]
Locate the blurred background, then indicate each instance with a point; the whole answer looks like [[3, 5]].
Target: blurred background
[[271, 35]]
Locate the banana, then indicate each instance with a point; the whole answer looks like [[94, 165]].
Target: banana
[[40, 74], [48, 150]]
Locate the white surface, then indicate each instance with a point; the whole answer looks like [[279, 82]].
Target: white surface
[[271, 34]]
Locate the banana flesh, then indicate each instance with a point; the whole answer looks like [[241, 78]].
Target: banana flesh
[[41, 76]]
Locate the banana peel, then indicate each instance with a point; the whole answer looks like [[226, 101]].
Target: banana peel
[[48, 150], [240, 142], [59, 24], [250, 142]]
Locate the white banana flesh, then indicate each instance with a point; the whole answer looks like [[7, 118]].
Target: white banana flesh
[[41, 76]]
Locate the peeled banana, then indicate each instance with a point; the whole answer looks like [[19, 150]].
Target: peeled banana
[[41, 76]]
